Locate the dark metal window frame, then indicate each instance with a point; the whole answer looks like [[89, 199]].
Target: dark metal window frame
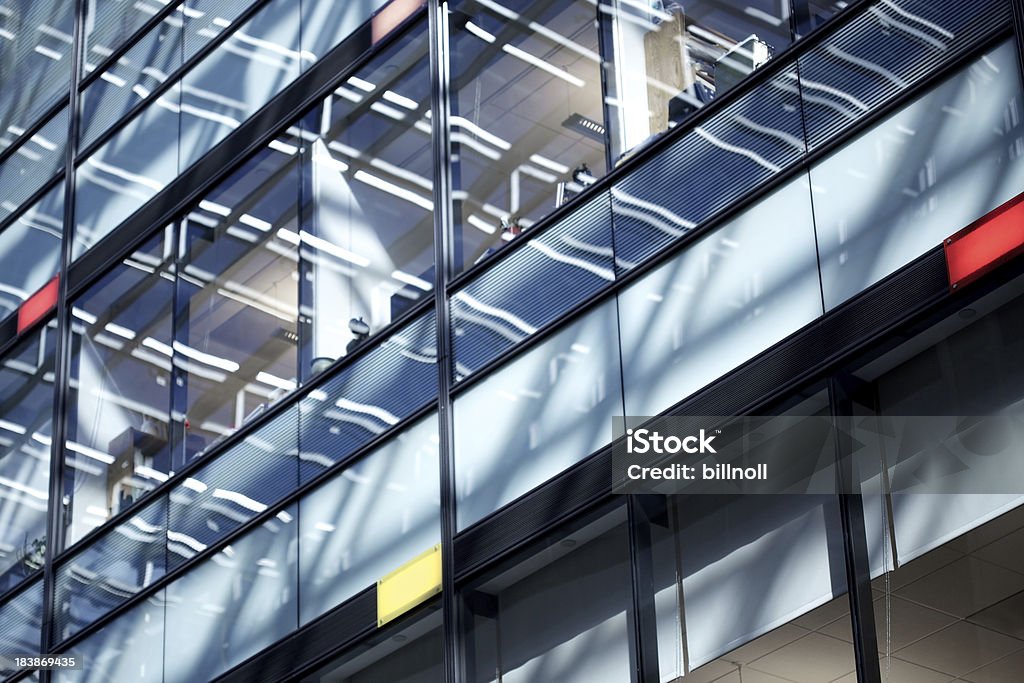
[[337, 65]]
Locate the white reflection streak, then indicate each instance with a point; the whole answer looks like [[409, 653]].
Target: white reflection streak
[[330, 247], [867, 64], [550, 252], [491, 325], [544, 66], [790, 140], [462, 138], [239, 499], [626, 198], [17, 486], [735, 149], [275, 381], [92, 453], [12, 427], [585, 246], [481, 133], [479, 32], [364, 422], [203, 357], [500, 313], [913, 17], [185, 539], [395, 190], [367, 409], [402, 173], [400, 100], [567, 43], [815, 85], [890, 22], [125, 175], [481, 224]]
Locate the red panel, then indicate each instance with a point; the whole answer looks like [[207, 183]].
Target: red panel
[[995, 238], [37, 305]]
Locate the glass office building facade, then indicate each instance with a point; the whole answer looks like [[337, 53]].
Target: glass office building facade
[[314, 317]]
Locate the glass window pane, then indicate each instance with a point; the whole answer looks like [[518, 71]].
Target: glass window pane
[[369, 396], [367, 237], [919, 176], [953, 441], [536, 416], [237, 313], [21, 625], [370, 519], [118, 433], [724, 299], [36, 55], [26, 412], [129, 649], [557, 614], [111, 22], [37, 160], [241, 75], [325, 23], [233, 488], [30, 250], [527, 115], [127, 171], [120, 563], [235, 604], [708, 169], [671, 58], [553, 274], [131, 79], [884, 50], [955, 612]]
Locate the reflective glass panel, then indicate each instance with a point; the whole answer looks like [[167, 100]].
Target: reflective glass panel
[[129, 649], [373, 517], [558, 613], [26, 412], [118, 433], [237, 313], [527, 117], [534, 417], [919, 176], [238, 77], [21, 626], [30, 250], [235, 604], [367, 245], [721, 301]]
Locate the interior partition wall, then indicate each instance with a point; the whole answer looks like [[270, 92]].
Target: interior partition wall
[[313, 325]]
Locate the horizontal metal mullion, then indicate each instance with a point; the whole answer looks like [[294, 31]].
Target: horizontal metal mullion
[[259, 519]]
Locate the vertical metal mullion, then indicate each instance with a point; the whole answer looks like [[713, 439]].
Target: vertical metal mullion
[[437, 27], [62, 361], [643, 619], [851, 510]]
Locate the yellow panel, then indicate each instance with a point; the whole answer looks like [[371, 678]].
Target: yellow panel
[[409, 585]]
